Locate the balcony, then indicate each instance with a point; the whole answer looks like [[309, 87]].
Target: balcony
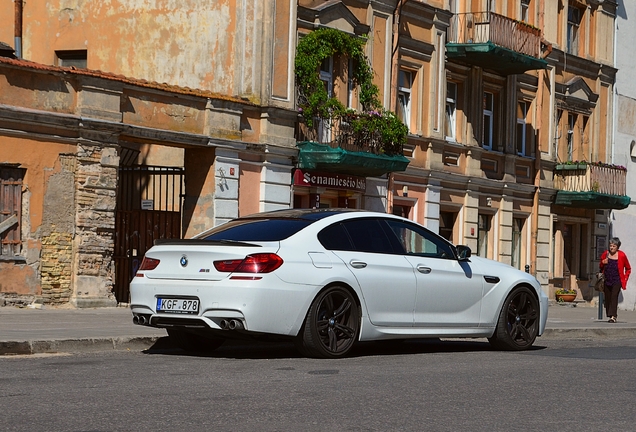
[[362, 144], [591, 185], [494, 42]]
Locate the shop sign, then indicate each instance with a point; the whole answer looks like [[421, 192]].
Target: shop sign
[[329, 180]]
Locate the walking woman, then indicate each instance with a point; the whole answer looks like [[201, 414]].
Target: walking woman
[[615, 265]]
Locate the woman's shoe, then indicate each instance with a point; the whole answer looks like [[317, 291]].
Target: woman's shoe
[[612, 320]]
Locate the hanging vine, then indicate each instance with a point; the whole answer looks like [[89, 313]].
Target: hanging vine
[[373, 123]]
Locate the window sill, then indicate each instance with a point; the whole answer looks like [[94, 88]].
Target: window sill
[[13, 259]]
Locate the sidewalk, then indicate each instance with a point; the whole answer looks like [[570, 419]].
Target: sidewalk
[[49, 330]]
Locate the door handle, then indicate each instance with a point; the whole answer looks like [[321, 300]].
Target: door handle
[[357, 264], [423, 269]]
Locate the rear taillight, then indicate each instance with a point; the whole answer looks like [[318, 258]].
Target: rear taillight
[[149, 264], [256, 263]]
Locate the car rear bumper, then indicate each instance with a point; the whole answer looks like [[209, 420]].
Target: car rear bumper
[[268, 305]]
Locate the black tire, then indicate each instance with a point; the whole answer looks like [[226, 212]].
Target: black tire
[[332, 325], [192, 342], [518, 323]]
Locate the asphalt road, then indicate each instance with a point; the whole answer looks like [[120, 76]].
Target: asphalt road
[[560, 385]]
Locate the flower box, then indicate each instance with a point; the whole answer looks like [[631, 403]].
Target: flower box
[[571, 166]]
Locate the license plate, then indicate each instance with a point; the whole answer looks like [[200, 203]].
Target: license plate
[[177, 305]]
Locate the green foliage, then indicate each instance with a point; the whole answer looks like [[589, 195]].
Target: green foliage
[[373, 123]]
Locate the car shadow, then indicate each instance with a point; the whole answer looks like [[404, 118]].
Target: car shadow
[[242, 349]]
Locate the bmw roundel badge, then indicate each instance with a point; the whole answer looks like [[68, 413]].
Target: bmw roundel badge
[[183, 261]]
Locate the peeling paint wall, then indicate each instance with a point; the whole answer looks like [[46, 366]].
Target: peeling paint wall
[[43, 217], [214, 45]]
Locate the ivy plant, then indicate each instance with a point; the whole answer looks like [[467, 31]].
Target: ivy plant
[[314, 101]]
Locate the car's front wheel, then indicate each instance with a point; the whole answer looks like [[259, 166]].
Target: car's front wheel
[[192, 342], [518, 323], [332, 324]]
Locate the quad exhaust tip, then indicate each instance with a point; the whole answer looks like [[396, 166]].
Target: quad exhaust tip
[[231, 324], [140, 320]]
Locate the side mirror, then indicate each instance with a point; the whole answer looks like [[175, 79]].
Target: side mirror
[[463, 253]]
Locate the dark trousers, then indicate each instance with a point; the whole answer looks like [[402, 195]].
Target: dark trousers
[[611, 299]]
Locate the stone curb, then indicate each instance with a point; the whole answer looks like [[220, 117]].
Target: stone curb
[[77, 345], [588, 333], [140, 343]]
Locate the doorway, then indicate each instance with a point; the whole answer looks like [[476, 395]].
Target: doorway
[[149, 207]]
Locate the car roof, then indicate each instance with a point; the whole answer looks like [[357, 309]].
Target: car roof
[[308, 214]]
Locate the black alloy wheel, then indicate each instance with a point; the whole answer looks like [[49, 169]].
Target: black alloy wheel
[[332, 324], [518, 323]]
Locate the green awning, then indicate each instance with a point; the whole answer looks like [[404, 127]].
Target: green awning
[[592, 200], [322, 157], [494, 57]]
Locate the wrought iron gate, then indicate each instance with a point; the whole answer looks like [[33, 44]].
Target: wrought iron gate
[[148, 208]]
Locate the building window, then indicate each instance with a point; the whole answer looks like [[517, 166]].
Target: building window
[[405, 83], [524, 10], [570, 135], [522, 128], [489, 105], [574, 21], [76, 58], [10, 210], [326, 76], [451, 108], [517, 229], [483, 234], [350, 84]]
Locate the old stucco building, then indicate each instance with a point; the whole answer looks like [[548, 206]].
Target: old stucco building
[[623, 222], [126, 121]]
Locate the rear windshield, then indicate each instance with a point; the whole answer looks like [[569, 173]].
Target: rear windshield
[[258, 229]]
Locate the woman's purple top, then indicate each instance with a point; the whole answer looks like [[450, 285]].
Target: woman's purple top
[[611, 273]]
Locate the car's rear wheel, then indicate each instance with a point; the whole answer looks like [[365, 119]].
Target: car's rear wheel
[[518, 323], [331, 326], [192, 342]]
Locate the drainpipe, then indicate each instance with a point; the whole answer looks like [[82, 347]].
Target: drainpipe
[[18, 28]]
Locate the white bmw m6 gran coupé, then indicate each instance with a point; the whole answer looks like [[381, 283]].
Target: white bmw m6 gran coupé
[[328, 278]]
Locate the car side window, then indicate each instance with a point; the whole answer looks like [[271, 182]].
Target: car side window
[[335, 237], [367, 235], [419, 241]]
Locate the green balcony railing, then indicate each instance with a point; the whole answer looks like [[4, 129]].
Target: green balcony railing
[[591, 185], [494, 41]]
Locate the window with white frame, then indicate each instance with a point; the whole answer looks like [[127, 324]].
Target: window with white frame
[[570, 135], [574, 22], [522, 113], [558, 131], [350, 84], [405, 83], [326, 76], [488, 126], [524, 8], [451, 108]]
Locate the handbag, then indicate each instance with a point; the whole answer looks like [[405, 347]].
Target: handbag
[[600, 282]]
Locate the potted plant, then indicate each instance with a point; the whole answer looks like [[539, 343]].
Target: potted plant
[[565, 295]]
